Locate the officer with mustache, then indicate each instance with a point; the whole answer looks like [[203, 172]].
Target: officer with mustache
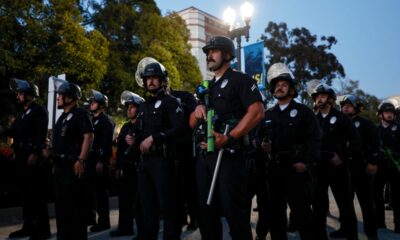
[[237, 103], [160, 121], [291, 143], [340, 141]]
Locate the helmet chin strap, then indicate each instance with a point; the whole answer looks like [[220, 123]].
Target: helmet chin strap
[[65, 103]]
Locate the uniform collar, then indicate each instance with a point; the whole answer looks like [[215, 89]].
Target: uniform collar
[[224, 76], [289, 106]]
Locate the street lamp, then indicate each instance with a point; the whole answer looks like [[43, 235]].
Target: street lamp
[[246, 10]]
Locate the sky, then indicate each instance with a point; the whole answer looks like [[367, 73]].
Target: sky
[[368, 32]]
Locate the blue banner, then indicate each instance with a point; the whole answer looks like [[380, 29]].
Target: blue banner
[[254, 62]]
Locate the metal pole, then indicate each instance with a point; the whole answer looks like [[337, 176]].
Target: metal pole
[[238, 52], [216, 170]]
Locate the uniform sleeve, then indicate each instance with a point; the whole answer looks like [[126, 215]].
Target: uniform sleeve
[[176, 122], [41, 122], [313, 138], [85, 124], [372, 143], [191, 103], [248, 91], [260, 132], [106, 142], [121, 144], [352, 136]]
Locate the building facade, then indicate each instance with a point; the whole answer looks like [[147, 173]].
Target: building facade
[[202, 26]]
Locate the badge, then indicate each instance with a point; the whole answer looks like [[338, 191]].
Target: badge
[[224, 83], [293, 113], [178, 109], [69, 116], [157, 104], [333, 120], [179, 100], [357, 124], [27, 112], [394, 128], [97, 121]]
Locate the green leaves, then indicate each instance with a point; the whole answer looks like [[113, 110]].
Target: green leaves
[[307, 55]]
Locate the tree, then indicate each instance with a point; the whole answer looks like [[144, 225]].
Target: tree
[[136, 29], [44, 38], [370, 102], [307, 55]]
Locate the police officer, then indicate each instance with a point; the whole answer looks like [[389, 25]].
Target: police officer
[[363, 166], [127, 160], [29, 131], [340, 141], [97, 164], [185, 164], [160, 121], [292, 142], [257, 183], [389, 166], [72, 139], [237, 102]]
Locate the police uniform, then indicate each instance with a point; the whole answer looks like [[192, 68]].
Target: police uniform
[[295, 138], [162, 118], [97, 183], [230, 97], [388, 171], [29, 132], [69, 187], [127, 158], [257, 183], [339, 136], [186, 167], [362, 182]]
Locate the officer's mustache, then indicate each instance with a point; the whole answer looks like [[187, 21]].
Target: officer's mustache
[[210, 60]]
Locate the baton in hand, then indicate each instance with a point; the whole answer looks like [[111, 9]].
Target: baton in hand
[[216, 170]]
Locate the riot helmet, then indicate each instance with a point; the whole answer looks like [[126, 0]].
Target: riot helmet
[[66, 88], [158, 70], [128, 97], [19, 85], [324, 88], [221, 42], [386, 106], [278, 72], [353, 100], [96, 96]]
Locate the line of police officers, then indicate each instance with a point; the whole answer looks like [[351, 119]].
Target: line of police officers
[[287, 156]]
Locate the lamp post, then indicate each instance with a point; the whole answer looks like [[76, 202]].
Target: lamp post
[[237, 32]]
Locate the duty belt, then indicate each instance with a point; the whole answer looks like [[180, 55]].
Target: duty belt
[[64, 159]]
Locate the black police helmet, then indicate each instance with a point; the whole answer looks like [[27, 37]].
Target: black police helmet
[[98, 97], [19, 85], [278, 72], [353, 100], [386, 107], [70, 89], [323, 88], [154, 69], [128, 97], [220, 42]]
